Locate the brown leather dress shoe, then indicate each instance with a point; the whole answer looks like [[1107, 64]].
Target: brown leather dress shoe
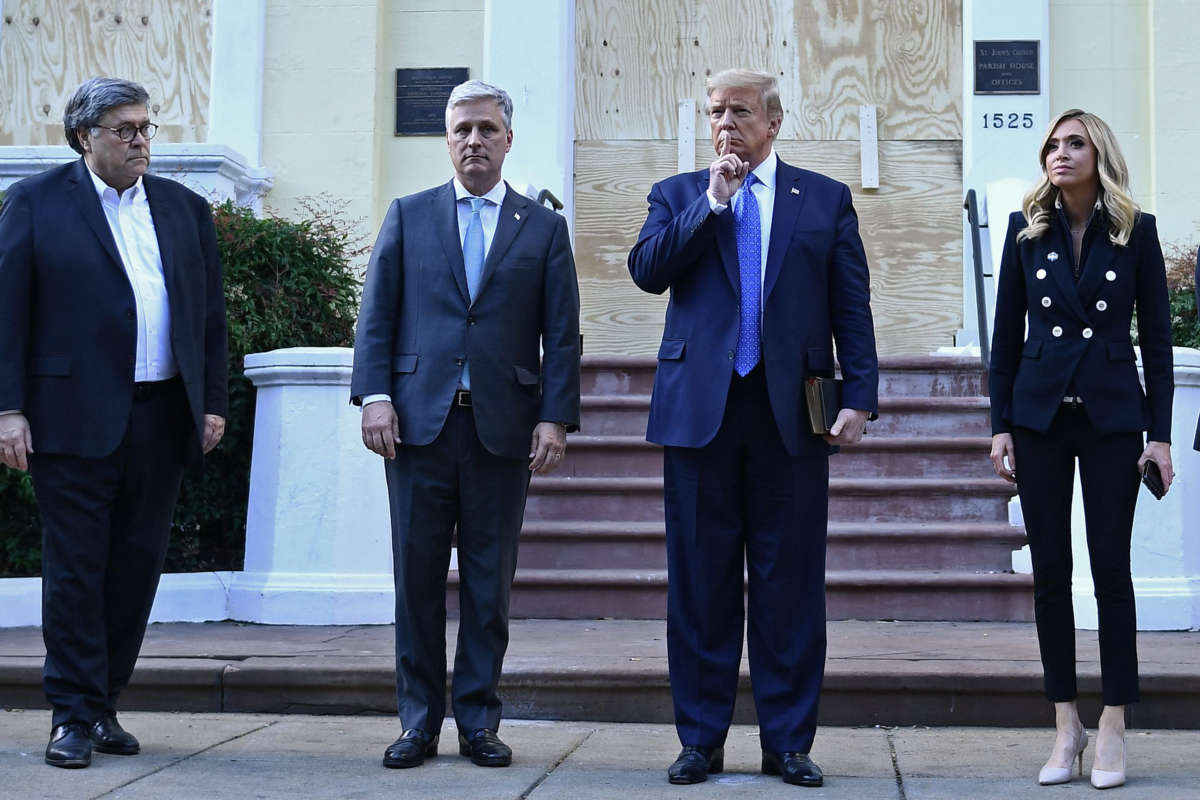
[[485, 748], [109, 737], [69, 747], [695, 764], [411, 749], [796, 768]]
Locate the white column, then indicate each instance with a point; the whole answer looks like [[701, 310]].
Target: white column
[[1165, 556], [318, 537], [992, 153], [529, 51], [235, 106]]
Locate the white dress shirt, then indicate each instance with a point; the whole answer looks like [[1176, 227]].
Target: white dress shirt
[[489, 215], [132, 227], [764, 193]]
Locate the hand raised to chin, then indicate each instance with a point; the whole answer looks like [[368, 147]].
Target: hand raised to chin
[[725, 175]]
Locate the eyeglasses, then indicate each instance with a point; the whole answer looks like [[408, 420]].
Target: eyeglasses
[[127, 133]]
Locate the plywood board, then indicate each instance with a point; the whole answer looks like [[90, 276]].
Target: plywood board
[[49, 47], [638, 58], [911, 229]]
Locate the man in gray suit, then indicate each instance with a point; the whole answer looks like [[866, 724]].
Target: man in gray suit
[[467, 280]]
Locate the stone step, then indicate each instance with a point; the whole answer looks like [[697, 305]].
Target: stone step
[[605, 415], [581, 544], [928, 376], [850, 594], [885, 456], [861, 499]]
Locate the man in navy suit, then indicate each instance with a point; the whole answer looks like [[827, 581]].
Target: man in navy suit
[[766, 270], [113, 373], [467, 282]]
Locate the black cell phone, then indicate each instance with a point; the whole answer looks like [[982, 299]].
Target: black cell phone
[[1153, 479]]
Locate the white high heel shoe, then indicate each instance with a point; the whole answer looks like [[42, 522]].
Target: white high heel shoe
[[1107, 779], [1052, 775]]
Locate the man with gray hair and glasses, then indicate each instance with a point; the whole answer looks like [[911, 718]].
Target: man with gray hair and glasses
[[113, 369], [466, 364]]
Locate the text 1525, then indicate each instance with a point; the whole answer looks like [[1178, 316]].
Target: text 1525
[[1009, 120]]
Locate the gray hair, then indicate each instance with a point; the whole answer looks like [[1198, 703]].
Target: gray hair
[[478, 90], [92, 99], [764, 82]]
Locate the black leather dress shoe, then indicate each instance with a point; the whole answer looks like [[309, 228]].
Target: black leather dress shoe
[[411, 749], [694, 764], [109, 737], [485, 748], [796, 768], [69, 746]]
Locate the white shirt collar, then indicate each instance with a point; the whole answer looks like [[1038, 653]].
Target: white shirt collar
[[495, 194], [102, 187], [765, 172]]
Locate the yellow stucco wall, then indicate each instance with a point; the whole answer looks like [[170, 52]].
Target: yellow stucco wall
[[1134, 63]]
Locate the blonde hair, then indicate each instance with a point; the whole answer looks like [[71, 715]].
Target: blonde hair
[[764, 82], [1038, 205]]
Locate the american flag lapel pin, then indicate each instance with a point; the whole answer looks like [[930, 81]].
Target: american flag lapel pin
[[517, 216], [795, 190]]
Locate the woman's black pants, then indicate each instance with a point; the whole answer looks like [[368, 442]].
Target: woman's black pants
[[1108, 474]]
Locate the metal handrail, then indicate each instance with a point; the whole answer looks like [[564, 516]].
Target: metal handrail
[[971, 204]]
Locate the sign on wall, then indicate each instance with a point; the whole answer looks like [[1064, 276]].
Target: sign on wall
[[1007, 67], [421, 96]]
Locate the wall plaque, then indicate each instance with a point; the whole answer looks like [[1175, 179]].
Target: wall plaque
[[421, 96], [1007, 67]]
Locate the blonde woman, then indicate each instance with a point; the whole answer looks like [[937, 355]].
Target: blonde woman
[[1078, 260]]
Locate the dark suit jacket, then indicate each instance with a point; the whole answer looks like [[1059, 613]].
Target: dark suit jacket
[[69, 332], [816, 290], [417, 322], [1080, 332]]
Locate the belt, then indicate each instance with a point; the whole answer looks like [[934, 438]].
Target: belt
[[1074, 401], [462, 397], [144, 390]]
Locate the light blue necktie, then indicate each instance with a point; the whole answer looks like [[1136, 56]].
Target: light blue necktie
[[749, 250], [473, 262]]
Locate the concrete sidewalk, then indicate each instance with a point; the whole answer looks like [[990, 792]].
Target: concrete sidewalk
[[293, 756]]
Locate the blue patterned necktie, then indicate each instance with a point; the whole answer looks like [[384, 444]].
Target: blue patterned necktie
[[749, 250], [473, 262]]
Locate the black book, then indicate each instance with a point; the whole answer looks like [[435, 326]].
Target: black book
[[823, 397]]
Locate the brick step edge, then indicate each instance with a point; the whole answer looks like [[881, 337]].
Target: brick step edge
[[837, 486], [836, 580], [886, 442], [890, 531]]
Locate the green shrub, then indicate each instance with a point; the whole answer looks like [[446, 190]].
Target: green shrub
[[286, 284], [1181, 287]]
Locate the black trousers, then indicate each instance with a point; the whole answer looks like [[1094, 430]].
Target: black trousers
[[105, 527], [744, 500], [453, 482], [1045, 481]]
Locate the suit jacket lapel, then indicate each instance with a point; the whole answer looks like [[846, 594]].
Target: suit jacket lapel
[[1060, 268], [513, 213], [726, 240], [163, 216], [789, 197], [445, 223], [84, 192], [1100, 257]]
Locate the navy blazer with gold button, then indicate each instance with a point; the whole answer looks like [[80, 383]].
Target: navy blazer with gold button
[[1079, 333]]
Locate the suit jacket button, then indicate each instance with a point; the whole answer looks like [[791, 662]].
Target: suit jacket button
[[1045, 302], [459, 362], [731, 355], [1041, 274], [470, 320], [1110, 275], [1056, 330], [1087, 333], [1101, 305]]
